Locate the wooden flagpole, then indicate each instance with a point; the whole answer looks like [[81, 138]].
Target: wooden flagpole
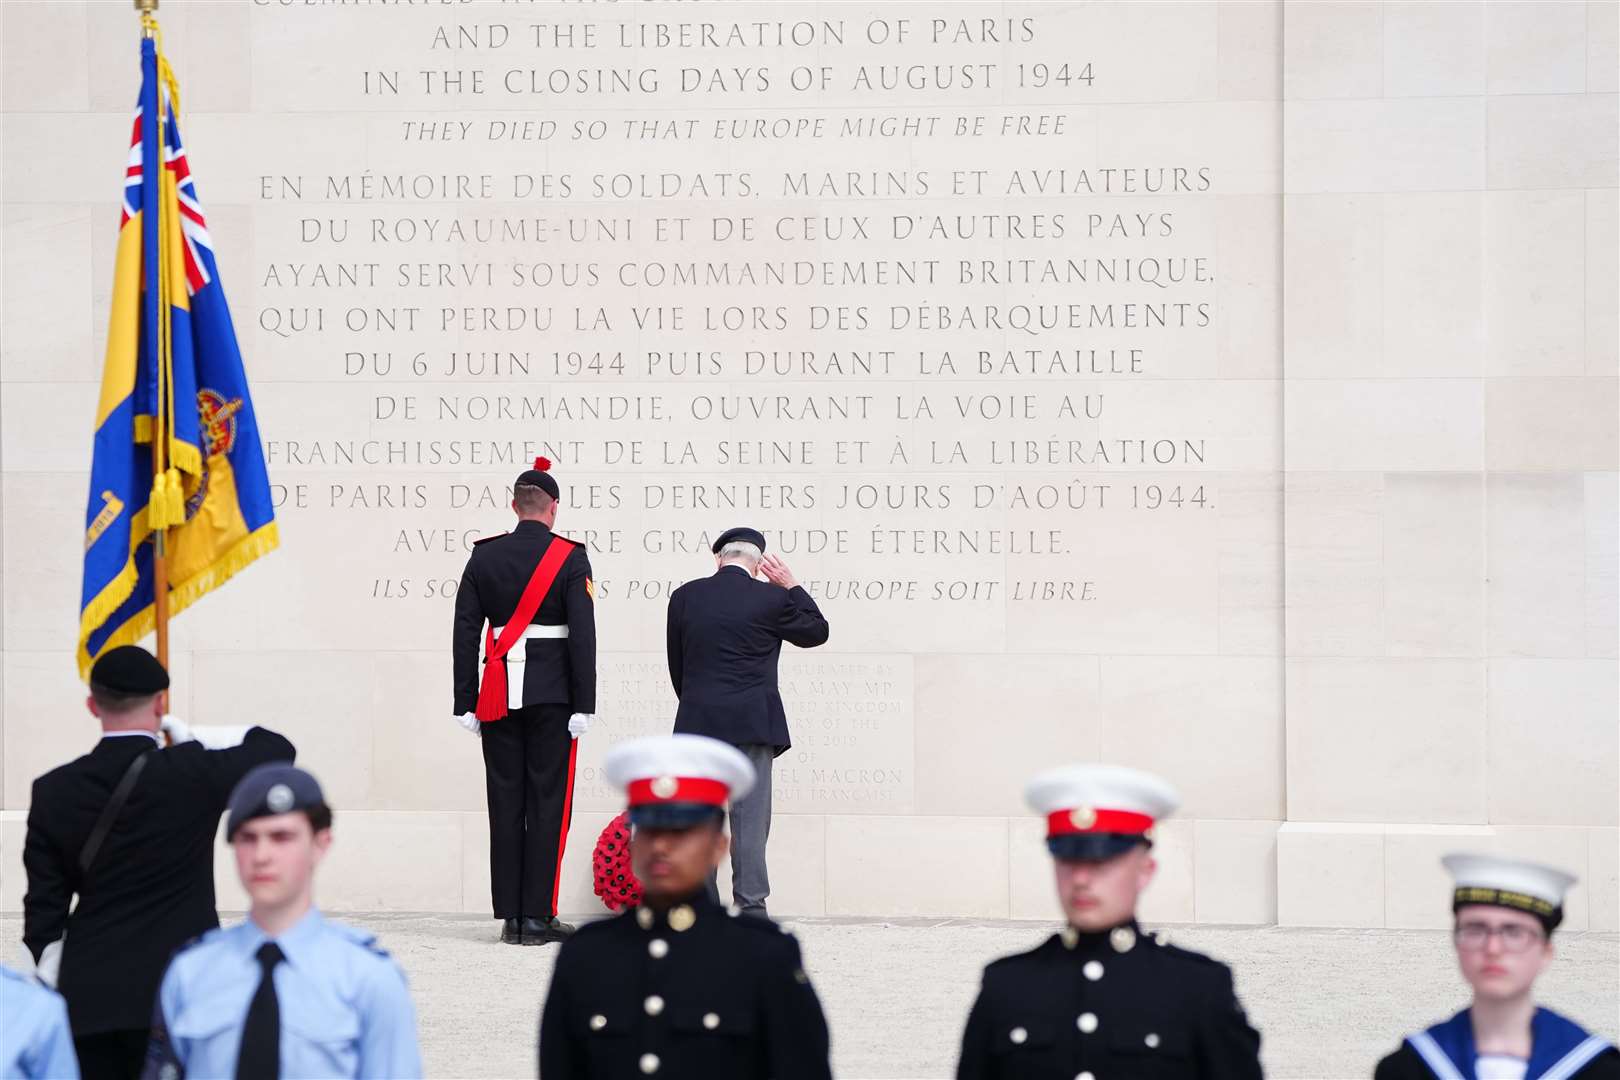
[[160, 536]]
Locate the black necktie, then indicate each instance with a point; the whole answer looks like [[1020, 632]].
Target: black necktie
[[260, 1056]]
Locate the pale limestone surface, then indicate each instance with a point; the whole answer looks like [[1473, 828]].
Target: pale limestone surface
[[1328, 1003], [1394, 629]]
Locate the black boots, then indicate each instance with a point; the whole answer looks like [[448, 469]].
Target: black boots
[[527, 931], [545, 931]]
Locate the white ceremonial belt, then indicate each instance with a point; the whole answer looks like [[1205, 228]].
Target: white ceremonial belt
[[518, 656]]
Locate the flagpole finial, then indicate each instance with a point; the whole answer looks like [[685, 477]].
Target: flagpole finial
[[146, 7]]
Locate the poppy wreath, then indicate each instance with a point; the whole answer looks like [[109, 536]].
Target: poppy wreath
[[615, 883]]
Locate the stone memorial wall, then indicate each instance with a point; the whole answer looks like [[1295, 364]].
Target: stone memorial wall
[[1226, 389]]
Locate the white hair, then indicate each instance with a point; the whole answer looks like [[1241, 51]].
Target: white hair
[[742, 550]]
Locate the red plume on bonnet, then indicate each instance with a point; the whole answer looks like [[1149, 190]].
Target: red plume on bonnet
[[543, 464]]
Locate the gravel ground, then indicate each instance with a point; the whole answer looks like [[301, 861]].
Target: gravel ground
[[1328, 1003]]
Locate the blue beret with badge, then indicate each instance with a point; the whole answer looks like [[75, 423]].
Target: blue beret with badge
[[268, 790]]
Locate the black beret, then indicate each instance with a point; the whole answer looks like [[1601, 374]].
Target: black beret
[[540, 477], [741, 533], [268, 790], [129, 669]]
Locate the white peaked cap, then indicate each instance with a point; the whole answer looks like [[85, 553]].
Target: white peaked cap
[[1101, 788], [666, 762], [1488, 874]]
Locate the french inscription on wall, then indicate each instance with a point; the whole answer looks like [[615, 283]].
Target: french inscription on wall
[[872, 280]]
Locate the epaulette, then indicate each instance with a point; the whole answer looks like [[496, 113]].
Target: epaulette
[[757, 922], [363, 938], [201, 939], [1176, 951], [487, 539]]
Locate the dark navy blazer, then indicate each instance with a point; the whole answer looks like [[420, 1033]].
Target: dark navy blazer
[[725, 635]]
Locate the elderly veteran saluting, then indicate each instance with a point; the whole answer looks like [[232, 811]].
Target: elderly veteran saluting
[[527, 597], [285, 993], [1101, 998], [1506, 911], [680, 987], [724, 638]]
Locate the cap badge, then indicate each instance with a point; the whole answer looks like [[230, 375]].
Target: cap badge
[[665, 787], [1083, 817], [279, 798], [681, 918]]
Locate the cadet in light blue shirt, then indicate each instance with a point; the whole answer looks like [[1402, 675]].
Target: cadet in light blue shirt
[[286, 993], [35, 1043]]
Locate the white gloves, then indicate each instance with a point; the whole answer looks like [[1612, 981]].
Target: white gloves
[[214, 737], [578, 724], [50, 963]]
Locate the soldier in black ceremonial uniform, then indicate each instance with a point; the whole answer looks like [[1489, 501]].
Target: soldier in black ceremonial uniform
[[1102, 1000], [527, 598], [680, 987], [130, 828]]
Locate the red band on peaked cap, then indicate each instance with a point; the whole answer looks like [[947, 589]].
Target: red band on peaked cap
[[656, 791], [1081, 820], [543, 464]]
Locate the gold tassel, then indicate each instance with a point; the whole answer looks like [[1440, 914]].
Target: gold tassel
[[177, 497], [167, 507]]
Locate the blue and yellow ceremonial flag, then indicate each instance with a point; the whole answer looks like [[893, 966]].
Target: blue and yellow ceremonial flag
[[176, 444]]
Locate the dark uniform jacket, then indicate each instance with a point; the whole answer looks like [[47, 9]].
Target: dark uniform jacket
[[725, 635], [1560, 1049], [151, 887], [560, 671], [1115, 1004], [698, 994]]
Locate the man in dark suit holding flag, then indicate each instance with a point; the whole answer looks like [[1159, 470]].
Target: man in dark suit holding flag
[[725, 635], [527, 596], [129, 828]]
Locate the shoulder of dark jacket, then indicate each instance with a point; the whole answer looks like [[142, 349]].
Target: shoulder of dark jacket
[[1195, 959], [770, 940], [1403, 1062], [601, 929], [490, 539], [1016, 962]]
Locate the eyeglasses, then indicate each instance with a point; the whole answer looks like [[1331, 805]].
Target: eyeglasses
[[1514, 938]]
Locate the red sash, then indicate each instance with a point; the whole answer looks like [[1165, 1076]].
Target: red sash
[[492, 691]]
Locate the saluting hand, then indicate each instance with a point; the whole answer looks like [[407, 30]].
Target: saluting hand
[[777, 573]]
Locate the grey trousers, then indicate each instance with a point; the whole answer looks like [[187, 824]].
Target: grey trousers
[[750, 828]]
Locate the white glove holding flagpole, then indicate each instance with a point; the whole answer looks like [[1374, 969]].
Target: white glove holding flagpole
[[580, 723], [214, 737], [50, 963]]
